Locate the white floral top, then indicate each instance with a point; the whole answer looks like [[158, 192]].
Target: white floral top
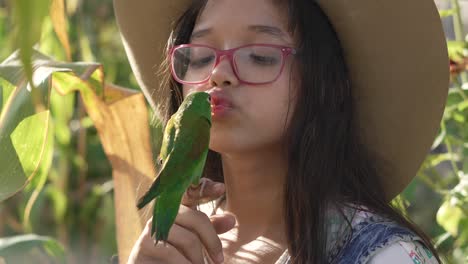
[[404, 253], [401, 252]]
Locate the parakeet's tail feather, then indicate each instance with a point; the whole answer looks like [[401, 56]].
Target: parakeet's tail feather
[[153, 192], [154, 227], [166, 209]]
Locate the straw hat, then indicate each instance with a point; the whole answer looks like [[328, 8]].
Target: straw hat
[[397, 57]]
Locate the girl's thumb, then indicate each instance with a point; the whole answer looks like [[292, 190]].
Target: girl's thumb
[[223, 222]]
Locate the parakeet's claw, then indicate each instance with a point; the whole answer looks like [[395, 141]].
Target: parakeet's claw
[[200, 185], [203, 183]]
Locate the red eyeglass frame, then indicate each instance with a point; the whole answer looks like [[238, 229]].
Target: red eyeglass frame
[[230, 54]]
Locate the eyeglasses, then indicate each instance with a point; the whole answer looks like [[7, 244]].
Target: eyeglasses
[[253, 64]]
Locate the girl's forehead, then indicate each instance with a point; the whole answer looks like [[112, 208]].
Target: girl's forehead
[[262, 16]]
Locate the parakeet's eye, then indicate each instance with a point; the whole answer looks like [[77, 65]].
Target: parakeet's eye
[[209, 98]]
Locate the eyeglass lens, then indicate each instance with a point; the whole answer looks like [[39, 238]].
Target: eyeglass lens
[[254, 64]]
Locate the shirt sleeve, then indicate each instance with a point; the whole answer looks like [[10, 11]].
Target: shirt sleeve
[[404, 253]]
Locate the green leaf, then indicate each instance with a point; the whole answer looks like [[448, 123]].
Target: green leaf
[[11, 246], [439, 240], [455, 49], [59, 200], [37, 183], [453, 98], [28, 16], [59, 21], [459, 117], [463, 105], [1, 98], [435, 159], [49, 43], [438, 140], [24, 127], [449, 217], [409, 192], [62, 108], [122, 125], [446, 12], [7, 88], [401, 204], [21, 149]]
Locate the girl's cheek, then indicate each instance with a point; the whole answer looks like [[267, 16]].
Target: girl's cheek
[[186, 89]]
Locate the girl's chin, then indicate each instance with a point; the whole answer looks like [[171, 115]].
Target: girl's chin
[[223, 148], [230, 147]]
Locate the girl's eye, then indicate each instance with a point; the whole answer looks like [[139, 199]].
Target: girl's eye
[[200, 62], [263, 59]]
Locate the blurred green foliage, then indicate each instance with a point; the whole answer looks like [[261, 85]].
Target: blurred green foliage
[[73, 202]]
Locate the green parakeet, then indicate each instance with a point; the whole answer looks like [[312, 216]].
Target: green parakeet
[[183, 154]]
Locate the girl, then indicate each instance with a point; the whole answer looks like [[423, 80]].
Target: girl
[[319, 119]]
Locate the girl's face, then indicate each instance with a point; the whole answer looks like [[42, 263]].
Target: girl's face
[[258, 114]]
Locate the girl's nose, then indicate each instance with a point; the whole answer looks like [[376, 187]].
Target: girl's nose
[[223, 74]]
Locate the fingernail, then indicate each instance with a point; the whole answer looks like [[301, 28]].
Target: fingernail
[[220, 258]]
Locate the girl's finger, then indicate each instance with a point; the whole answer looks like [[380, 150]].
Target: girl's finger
[[223, 222], [199, 223], [195, 195], [165, 254], [187, 243], [145, 251]]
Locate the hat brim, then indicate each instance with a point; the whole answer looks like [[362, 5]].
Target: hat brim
[[396, 53]]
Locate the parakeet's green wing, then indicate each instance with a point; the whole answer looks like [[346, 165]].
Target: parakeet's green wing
[[167, 147], [199, 150], [168, 140], [164, 213], [167, 205], [183, 154]]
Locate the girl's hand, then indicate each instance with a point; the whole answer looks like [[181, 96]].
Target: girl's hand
[[211, 191], [193, 232]]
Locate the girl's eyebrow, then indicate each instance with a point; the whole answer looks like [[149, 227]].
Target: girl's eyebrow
[[271, 30], [200, 33], [264, 29]]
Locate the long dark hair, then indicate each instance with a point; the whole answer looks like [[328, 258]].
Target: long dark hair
[[327, 163]]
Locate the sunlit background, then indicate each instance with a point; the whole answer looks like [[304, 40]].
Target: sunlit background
[[70, 204]]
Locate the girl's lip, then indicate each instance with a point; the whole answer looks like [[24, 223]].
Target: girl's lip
[[218, 98], [220, 103], [219, 111]]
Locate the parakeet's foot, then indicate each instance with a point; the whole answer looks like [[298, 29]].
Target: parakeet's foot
[[202, 183]]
